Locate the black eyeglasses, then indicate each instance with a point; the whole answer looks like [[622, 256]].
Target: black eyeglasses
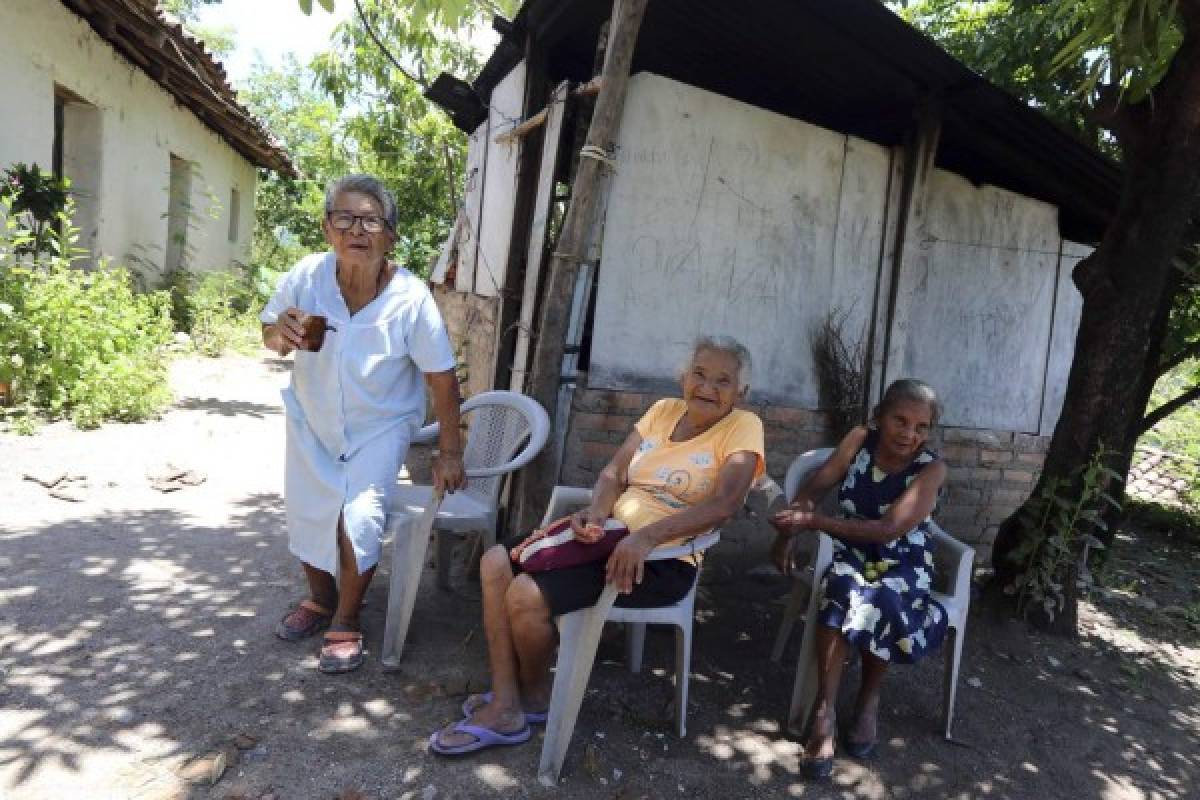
[[344, 221]]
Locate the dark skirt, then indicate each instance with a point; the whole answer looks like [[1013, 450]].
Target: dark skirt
[[664, 583]]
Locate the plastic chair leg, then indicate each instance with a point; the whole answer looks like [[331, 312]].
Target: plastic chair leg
[[804, 691], [635, 645], [683, 668], [790, 615], [950, 678], [579, 635], [410, 540]]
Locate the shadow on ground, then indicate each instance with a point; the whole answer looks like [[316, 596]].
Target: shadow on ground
[[142, 639]]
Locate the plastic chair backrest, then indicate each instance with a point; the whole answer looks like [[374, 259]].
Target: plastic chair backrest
[[499, 424], [801, 468]]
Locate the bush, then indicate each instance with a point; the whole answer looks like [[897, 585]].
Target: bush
[[78, 343], [221, 312]]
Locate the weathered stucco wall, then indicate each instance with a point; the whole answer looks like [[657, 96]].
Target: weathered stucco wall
[[123, 138], [471, 322], [740, 221]]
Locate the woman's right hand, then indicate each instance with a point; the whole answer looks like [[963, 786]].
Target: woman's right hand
[[287, 334], [588, 525]]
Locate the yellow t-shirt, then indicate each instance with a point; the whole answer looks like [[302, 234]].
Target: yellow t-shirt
[[666, 477]]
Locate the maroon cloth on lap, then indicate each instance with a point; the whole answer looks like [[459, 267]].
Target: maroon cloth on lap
[[558, 548]]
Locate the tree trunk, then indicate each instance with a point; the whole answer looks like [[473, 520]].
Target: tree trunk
[[1128, 285]]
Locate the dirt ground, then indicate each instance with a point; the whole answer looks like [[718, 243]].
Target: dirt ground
[[135, 636]]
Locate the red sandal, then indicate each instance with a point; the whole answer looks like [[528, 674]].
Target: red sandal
[[342, 652], [303, 621]]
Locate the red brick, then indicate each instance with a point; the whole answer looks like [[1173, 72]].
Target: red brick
[[995, 456], [602, 450]]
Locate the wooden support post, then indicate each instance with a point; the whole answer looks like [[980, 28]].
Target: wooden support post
[[919, 154], [564, 263]]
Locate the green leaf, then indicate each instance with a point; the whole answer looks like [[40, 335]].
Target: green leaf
[[327, 5], [306, 6]]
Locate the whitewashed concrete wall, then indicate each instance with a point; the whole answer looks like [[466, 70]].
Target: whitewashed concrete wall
[[723, 219], [975, 301], [1068, 307], [140, 126]]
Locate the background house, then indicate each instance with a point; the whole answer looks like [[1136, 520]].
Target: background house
[[161, 156], [776, 160]]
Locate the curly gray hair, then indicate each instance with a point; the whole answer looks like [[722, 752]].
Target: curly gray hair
[[368, 185], [725, 344]]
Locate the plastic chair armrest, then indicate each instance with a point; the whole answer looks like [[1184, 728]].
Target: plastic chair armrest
[[697, 545], [564, 500], [955, 558]]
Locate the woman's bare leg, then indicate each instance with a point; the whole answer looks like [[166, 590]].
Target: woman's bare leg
[[352, 585], [505, 712], [866, 706], [321, 586], [831, 656]]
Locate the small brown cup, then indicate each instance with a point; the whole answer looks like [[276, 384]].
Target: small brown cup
[[314, 331]]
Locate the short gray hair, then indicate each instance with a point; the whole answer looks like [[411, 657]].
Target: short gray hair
[[909, 390], [368, 185], [730, 345]]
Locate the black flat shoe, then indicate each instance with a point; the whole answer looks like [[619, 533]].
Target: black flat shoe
[[816, 769], [858, 750]]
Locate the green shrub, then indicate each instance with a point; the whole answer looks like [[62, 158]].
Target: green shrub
[[222, 313], [78, 343]]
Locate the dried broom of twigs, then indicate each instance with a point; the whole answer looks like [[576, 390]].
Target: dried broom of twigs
[[840, 367]]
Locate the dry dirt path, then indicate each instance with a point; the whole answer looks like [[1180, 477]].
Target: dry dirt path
[[135, 635]]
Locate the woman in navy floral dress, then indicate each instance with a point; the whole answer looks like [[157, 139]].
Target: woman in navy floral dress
[[875, 594]]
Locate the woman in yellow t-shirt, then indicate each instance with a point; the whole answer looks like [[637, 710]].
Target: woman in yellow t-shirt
[[684, 469]]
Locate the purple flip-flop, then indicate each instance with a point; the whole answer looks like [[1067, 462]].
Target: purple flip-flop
[[484, 738], [531, 717]]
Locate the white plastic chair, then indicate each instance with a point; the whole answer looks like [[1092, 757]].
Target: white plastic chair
[[579, 636], [500, 423], [953, 561]]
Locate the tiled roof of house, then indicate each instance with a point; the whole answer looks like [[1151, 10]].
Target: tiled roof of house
[[157, 44]]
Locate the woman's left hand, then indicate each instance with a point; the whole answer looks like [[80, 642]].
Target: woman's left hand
[[448, 472], [792, 519], [627, 563]]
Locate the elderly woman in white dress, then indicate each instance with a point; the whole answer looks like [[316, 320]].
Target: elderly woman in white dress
[[364, 330]]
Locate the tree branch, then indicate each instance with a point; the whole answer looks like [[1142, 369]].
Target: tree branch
[[383, 49], [1187, 351], [1168, 408]]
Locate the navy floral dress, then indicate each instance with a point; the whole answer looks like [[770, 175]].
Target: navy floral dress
[[877, 595]]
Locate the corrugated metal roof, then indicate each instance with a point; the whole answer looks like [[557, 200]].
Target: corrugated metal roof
[[158, 45], [847, 65]]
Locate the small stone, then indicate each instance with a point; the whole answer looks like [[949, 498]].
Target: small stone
[[244, 741], [617, 774], [1054, 662], [207, 768], [1174, 611], [1084, 673], [429, 792], [974, 682]]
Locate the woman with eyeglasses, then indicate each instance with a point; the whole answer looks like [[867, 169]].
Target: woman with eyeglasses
[[364, 330]]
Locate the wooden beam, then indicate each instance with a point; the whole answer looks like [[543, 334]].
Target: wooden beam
[[589, 89], [920, 152], [564, 263]]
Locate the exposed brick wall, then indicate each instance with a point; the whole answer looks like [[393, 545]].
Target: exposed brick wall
[[991, 472]]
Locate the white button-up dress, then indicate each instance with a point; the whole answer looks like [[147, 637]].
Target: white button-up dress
[[353, 406]]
